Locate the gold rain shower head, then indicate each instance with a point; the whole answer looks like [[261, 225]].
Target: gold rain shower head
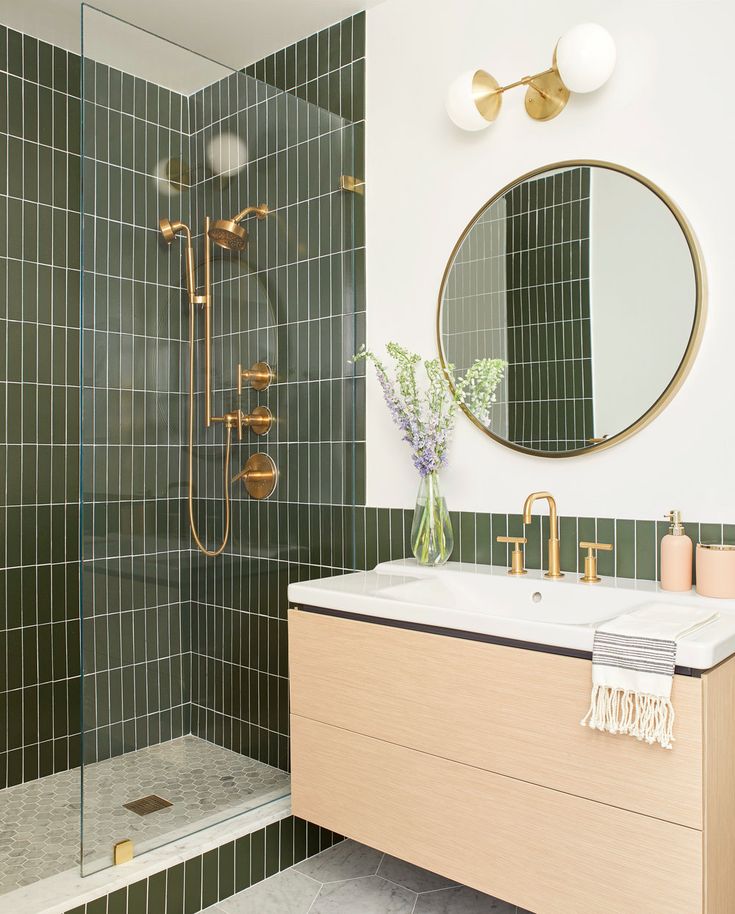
[[229, 234]]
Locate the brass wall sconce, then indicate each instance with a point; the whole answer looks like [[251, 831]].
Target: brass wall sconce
[[259, 476], [584, 59], [259, 376]]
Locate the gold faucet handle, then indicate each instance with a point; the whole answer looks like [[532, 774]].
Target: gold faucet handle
[[590, 575], [259, 475], [516, 557], [259, 376]]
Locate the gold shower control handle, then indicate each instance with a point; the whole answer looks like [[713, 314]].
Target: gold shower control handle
[[590, 575], [259, 475], [259, 376], [259, 420], [516, 557]]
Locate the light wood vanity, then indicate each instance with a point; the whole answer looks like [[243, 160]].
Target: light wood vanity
[[466, 758]]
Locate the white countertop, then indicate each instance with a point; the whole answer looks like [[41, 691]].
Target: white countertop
[[485, 600]]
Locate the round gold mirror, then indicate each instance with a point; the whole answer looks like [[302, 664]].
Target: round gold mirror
[[586, 279]]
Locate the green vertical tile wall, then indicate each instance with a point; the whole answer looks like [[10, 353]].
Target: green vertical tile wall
[[39, 408], [293, 298], [189, 887], [135, 544]]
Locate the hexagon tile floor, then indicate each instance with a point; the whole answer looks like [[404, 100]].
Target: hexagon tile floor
[[39, 821], [351, 878]]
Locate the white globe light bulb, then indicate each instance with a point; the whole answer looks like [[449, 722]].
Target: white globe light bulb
[[465, 99], [585, 57]]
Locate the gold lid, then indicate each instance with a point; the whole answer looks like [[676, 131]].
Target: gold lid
[[676, 528], [719, 547]]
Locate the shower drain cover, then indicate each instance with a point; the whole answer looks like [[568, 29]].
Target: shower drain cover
[[146, 805]]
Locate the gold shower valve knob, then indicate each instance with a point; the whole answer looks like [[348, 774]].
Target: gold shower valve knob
[[259, 376], [259, 420], [259, 476]]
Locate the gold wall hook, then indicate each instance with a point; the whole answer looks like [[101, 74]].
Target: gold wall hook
[[259, 476], [590, 575], [259, 376], [516, 557]]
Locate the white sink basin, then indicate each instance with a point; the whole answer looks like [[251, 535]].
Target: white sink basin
[[486, 600]]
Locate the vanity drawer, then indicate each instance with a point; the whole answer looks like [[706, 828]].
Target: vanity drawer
[[507, 710], [545, 851]]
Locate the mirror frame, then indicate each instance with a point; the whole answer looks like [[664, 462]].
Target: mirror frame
[[695, 337]]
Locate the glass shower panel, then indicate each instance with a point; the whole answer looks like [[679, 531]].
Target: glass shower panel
[[185, 682]]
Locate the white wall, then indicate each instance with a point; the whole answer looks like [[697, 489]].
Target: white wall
[[426, 178], [641, 277]]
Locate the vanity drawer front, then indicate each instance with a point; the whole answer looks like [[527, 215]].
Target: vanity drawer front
[[545, 851], [508, 710]]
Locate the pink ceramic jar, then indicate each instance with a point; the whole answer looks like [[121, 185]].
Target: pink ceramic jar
[[716, 570]]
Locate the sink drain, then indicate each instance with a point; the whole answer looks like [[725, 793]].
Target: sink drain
[[536, 597]]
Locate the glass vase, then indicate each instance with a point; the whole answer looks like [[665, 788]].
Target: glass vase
[[432, 539]]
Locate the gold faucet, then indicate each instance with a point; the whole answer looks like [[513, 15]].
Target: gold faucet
[[554, 557]]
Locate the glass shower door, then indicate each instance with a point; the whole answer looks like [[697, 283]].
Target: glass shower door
[[185, 682]]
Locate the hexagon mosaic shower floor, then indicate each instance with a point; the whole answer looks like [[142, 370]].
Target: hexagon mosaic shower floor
[[39, 821], [351, 878]]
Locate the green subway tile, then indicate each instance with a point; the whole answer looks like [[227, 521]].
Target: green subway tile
[[483, 539], [625, 548], [299, 837], [138, 897], [568, 546], [286, 843], [157, 892], [499, 551], [708, 533], [193, 886], [535, 548], [605, 534], [242, 863], [210, 878], [175, 889], [117, 902], [257, 856], [227, 870], [98, 906], [645, 546], [272, 849], [467, 551]]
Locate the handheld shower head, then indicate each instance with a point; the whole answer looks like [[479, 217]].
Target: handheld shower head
[[229, 234], [170, 230]]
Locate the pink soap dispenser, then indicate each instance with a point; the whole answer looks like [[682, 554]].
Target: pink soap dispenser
[[676, 556]]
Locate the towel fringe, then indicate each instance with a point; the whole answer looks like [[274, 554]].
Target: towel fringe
[[649, 718]]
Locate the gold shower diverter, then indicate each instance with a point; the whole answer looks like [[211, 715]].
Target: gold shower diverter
[[259, 476], [259, 420], [259, 376]]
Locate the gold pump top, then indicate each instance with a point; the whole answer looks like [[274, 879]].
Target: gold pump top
[[676, 528]]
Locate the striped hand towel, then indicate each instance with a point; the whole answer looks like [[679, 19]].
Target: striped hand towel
[[633, 661]]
